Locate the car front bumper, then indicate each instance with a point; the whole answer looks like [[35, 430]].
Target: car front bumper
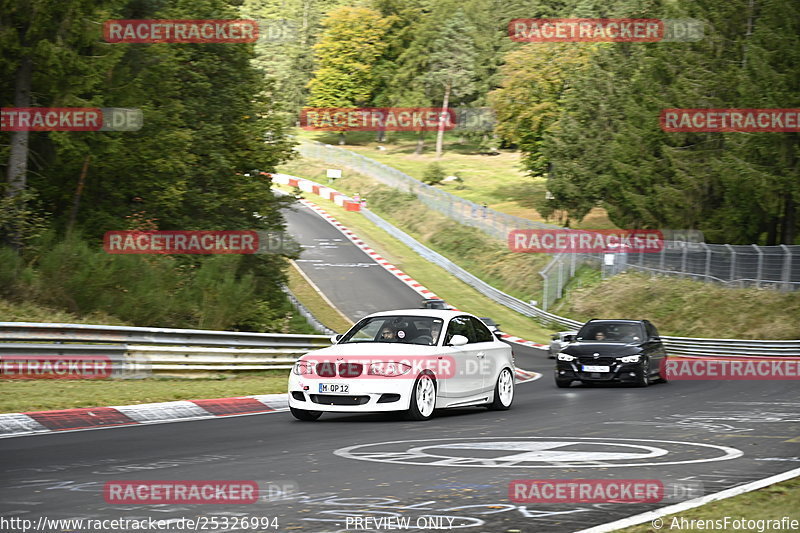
[[620, 373], [364, 394]]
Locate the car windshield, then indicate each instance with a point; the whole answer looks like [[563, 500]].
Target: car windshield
[[611, 332], [403, 329]]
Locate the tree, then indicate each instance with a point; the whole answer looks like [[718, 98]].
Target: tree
[[350, 46], [451, 67]]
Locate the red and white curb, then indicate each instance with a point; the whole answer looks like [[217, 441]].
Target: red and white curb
[[38, 422], [375, 256], [87, 418]]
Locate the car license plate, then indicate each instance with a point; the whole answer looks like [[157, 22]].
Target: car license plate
[[590, 368], [335, 388]]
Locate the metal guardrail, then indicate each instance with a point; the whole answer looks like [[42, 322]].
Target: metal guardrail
[[36, 331], [136, 351]]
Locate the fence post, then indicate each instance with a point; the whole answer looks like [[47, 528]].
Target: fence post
[[683, 261], [760, 265], [786, 275], [708, 261], [732, 275], [544, 290], [663, 254]]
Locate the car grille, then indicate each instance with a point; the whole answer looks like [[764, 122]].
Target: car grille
[[332, 399], [601, 361], [326, 369], [350, 370]]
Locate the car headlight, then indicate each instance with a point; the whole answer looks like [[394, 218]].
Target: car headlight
[[302, 368], [630, 358], [388, 369], [566, 357]]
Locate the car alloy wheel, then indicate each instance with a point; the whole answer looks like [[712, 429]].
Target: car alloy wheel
[[423, 398], [503, 391]]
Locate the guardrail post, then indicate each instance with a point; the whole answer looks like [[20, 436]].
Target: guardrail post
[[663, 254], [760, 265]]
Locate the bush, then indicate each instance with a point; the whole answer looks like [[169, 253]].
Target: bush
[[434, 174]]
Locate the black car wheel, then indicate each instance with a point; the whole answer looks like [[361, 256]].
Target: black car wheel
[[563, 383], [644, 380]]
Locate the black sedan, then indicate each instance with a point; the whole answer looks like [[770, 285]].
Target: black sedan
[[608, 351]]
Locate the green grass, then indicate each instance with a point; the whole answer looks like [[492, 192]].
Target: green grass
[[41, 395], [769, 503], [497, 180], [446, 286], [685, 308], [311, 299], [32, 312]]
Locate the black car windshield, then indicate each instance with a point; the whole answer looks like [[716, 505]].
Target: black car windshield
[[402, 329], [611, 332]]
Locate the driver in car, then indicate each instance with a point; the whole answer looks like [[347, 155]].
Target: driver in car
[[599, 336], [387, 334]]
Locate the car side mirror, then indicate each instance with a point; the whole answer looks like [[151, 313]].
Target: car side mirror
[[498, 334], [656, 338], [336, 338], [569, 338], [458, 340], [554, 336]]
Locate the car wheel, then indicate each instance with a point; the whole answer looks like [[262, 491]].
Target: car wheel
[[644, 381], [563, 383], [423, 398], [305, 416], [503, 391]]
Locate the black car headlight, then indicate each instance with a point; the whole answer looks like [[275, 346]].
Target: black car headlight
[[630, 358]]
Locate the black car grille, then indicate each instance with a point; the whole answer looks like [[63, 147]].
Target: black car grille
[[350, 370], [328, 369], [600, 361], [332, 399]]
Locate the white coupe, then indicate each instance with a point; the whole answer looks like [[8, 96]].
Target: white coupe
[[412, 360]]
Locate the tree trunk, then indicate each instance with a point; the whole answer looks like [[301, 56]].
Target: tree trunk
[[18, 155], [440, 132], [789, 220], [420, 143], [73, 214]]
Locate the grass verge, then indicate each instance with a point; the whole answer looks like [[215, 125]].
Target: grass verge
[[769, 503], [41, 395], [685, 308], [311, 298]]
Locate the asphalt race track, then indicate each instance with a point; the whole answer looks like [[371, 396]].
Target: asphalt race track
[[338, 467], [453, 470], [349, 278]]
